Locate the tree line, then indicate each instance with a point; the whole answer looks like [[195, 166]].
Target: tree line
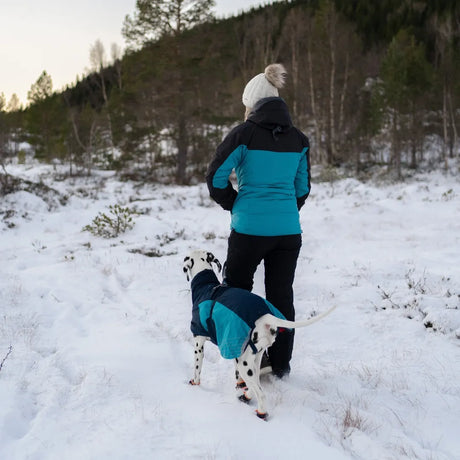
[[370, 82]]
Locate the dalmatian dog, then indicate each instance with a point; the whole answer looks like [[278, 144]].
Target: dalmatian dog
[[242, 324]]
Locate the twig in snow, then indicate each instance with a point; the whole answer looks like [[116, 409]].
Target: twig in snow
[[387, 296], [6, 357]]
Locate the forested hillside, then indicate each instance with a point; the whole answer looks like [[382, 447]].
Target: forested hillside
[[370, 82]]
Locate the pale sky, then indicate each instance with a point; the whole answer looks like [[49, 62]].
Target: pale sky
[[56, 36]]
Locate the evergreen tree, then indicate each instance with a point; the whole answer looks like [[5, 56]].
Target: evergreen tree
[[14, 104], [14, 124], [41, 89], [45, 120], [444, 26], [169, 19], [3, 130], [154, 19], [407, 77]]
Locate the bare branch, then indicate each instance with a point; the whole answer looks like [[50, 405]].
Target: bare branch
[[6, 357]]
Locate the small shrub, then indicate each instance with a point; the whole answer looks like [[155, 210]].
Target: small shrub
[[111, 225], [449, 195], [209, 236], [352, 420], [166, 238], [154, 252]]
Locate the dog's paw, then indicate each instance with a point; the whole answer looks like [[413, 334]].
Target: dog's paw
[[241, 385], [192, 382], [244, 398], [262, 415]]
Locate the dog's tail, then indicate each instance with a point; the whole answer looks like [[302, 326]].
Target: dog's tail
[[278, 322]]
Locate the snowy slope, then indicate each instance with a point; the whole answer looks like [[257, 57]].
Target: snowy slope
[[101, 350]]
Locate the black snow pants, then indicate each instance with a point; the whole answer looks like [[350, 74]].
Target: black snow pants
[[280, 254]]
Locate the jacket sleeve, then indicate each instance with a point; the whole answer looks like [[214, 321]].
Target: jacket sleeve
[[227, 157], [302, 179]]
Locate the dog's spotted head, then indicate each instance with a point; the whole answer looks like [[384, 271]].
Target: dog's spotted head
[[199, 260]]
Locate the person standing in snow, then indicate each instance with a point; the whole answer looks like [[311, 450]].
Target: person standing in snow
[[271, 160]]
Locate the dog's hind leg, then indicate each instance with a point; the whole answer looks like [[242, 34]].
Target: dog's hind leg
[[249, 370], [241, 387], [198, 362]]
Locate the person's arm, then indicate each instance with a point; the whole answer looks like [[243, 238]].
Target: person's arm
[[302, 179], [227, 157]]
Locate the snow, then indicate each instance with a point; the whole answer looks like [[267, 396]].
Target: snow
[[101, 350]]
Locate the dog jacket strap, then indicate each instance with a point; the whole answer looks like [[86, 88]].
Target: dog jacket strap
[[211, 325], [251, 344], [210, 321]]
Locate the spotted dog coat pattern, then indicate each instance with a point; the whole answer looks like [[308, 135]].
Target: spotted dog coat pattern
[[226, 315], [218, 310]]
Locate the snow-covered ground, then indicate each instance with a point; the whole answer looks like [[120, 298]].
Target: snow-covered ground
[[96, 351]]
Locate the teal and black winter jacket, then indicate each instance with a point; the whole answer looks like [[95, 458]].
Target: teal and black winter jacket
[[271, 161], [225, 314]]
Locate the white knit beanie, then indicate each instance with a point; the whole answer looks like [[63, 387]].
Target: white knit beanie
[[264, 85]]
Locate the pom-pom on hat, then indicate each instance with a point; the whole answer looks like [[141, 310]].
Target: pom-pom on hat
[[264, 85]]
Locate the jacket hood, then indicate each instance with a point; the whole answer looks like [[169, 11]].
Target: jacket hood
[[271, 113]]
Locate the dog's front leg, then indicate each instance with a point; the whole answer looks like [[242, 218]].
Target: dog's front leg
[[198, 362]]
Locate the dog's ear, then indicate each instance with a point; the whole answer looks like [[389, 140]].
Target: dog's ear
[[211, 258], [186, 271], [188, 264], [218, 265]]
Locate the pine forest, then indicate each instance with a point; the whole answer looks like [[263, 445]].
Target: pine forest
[[374, 85]]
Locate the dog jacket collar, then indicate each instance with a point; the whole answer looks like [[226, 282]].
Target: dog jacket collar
[[225, 314]]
